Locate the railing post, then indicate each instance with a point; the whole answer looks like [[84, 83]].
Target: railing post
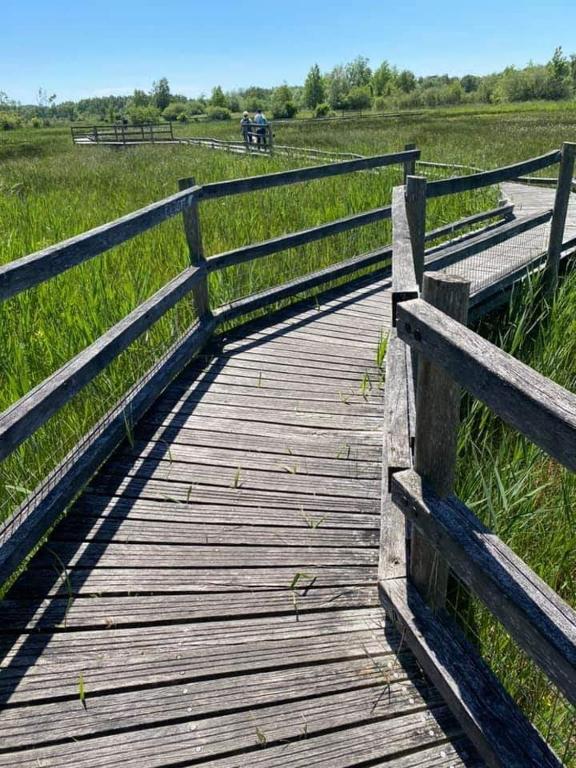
[[416, 215], [409, 165], [563, 190], [193, 233], [437, 419], [270, 138]]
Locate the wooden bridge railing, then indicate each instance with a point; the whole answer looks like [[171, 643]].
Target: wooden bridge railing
[[431, 355], [122, 134], [21, 420]]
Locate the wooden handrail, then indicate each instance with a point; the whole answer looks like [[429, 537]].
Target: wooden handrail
[[34, 409], [537, 407], [540, 622], [488, 178]]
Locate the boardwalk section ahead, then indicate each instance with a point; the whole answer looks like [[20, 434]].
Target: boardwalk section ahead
[[212, 596]]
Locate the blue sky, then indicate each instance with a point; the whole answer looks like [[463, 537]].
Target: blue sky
[[80, 48]]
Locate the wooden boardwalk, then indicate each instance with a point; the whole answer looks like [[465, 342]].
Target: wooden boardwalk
[[212, 596], [213, 593]]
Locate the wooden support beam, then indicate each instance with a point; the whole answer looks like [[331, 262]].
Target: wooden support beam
[[416, 214], [437, 420], [191, 217], [409, 165], [404, 283], [558, 224]]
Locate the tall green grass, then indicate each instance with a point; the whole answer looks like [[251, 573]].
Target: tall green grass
[[55, 190], [525, 497]]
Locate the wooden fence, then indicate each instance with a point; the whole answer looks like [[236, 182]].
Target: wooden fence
[[21, 532], [431, 356], [122, 134]]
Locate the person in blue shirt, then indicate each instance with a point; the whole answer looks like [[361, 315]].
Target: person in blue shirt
[[261, 123]]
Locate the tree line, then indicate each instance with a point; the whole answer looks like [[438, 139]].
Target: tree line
[[351, 86]]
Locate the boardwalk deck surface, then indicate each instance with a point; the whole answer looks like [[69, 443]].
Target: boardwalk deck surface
[[211, 598]]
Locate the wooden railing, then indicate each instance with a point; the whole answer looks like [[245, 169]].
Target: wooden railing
[[122, 134], [431, 356], [21, 420]]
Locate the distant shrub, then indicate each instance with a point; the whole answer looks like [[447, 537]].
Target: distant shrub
[[182, 117], [195, 108], [322, 110], [286, 109], [143, 115], [174, 110], [218, 113], [381, 104], [35, 122], [9, 121], [359, 98]]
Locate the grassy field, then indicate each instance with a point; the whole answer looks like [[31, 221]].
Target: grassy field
[[50, 190]]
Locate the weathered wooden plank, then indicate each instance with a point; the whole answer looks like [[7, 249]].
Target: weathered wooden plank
[[437, 421], [415, 197], [255, 459], [234, 731], [292, 480], [404, 282], [503, 736], [114, 555], [528, 401], [270, 180], [488, 178], [24, 273], [33, 410], [44, 581], [19, 534], [396, 454], [248, 253], [557, 227], [129, 642], [110, 612], [132, 531], [359, 451], [192, 230], [540, 622]]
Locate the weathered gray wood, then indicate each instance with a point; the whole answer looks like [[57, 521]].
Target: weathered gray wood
[[539, 621], [490, 718], [451, 254], [502, 211], [404, 282], [542, 410], [396, 455], [34, 409], [193, 232], [267, 181], [558, 224], [437, 420], [263, 299], [416, 215], [409, 165], [488, 178], [24, 529], [24, 273]]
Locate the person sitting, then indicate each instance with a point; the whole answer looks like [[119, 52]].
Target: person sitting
[[261, 124]]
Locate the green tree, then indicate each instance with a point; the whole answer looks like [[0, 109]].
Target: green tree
[[358, 73], [359, 98], [406, 81], [282, 102], [314, 91], [161, 96], [338, 88], [140, 98], [217, 99], [382, 79]]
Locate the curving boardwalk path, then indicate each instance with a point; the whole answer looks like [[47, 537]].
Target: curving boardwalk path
[[212, 596]]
